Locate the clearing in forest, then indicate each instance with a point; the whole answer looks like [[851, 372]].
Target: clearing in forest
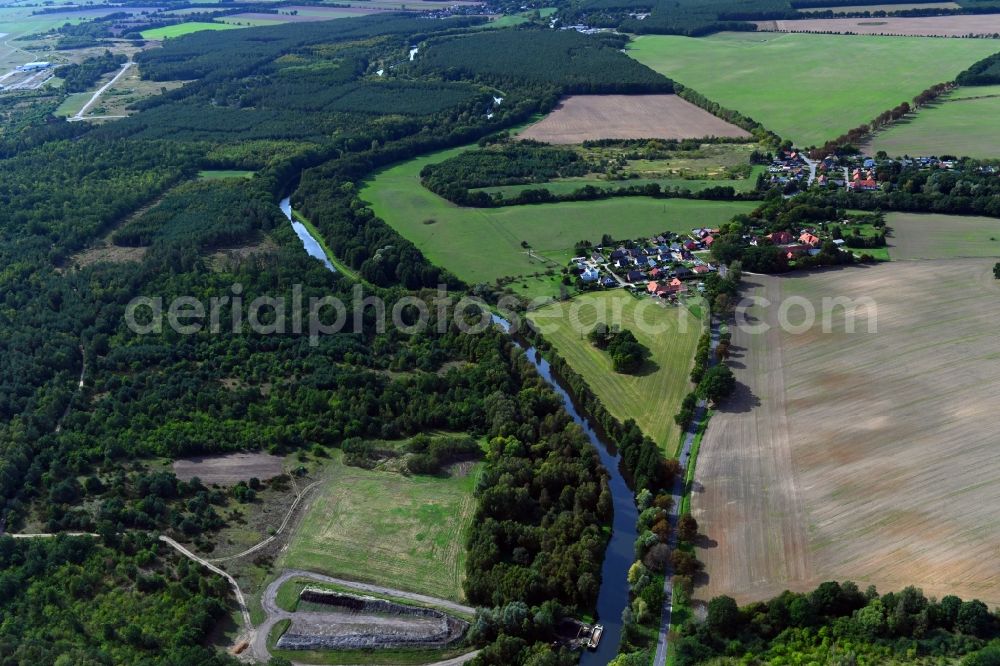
[[860, 456], [964, 126], [653, 395], [580, 118], [484, 244], [809, 88], [405, 532], [228, 468]]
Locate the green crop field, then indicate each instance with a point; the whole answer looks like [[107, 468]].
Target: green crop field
[[481, 245], [184, 29], [406, 532], [957, 126], [931, 236], [569, 185], [967, 92], [809, 88], [651, 397]]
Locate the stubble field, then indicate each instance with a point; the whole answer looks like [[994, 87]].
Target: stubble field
[[580, 118], [865, 457], [918, 26]]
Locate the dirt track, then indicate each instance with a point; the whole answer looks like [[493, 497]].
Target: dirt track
[[579, 118], [865, 457]]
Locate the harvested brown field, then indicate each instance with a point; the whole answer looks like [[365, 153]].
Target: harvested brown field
[[229, 468], [579, 118], [881, 8], [860, 456], [923, 26]]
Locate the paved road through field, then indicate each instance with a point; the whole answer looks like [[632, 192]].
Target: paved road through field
[[100, 91]]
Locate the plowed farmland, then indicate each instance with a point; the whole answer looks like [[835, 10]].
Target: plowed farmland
[[580, 118], [860, 456]]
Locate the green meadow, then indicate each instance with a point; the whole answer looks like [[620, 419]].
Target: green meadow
[[963, 126], [184, 29], [652, 396], [809, 88], [405, 532], [484, 244]]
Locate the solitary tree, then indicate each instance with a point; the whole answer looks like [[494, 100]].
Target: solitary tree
[[687, 527], [718, 383], [996, 270]]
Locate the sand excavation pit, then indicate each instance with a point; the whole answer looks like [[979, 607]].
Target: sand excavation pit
[[580, 118], [229, 468], [328, 620]]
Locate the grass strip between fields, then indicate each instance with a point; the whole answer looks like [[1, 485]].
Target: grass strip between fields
[[683, 610]]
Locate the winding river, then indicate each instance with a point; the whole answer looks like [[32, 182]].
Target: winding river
[[311, 245], [613, 596]]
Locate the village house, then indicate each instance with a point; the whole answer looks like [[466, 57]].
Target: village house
[[809, 239], [780, 237]]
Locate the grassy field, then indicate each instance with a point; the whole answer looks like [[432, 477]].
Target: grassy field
[[930, 236], [862, 456], [809, 88], [215, 174], [72, 104], [482, 245], [382, 527], [653, 396], [957, 126], [966, 92], [569, 185], [184, 29]]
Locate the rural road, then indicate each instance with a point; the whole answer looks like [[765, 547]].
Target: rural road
[[100, 91], [258, 644], [247, 623], [277, 533], [677, 494], [812, 164]]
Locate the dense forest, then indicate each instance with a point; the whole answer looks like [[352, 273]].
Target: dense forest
[[838, 623], [574, 63], [79, 601], [983, 73], [62, 447]]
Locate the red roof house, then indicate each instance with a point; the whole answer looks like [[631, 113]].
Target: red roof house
[[809, 239]]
